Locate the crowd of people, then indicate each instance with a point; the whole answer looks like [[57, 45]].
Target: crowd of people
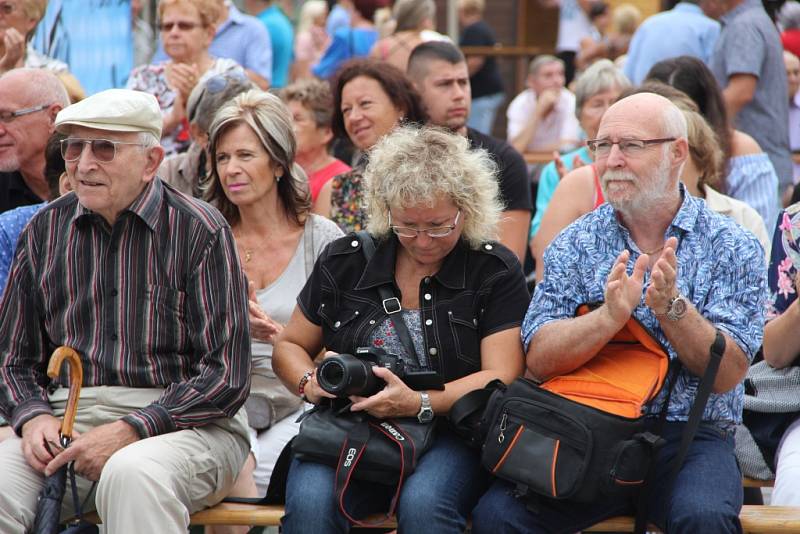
[[198, 238]]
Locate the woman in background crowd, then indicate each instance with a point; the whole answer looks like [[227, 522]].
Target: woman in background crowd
[[413, 22], [371, 98], [188, 171], [311, 39], [311, 105], [187, 29], [748, 172], [352, 42], [262, 193]]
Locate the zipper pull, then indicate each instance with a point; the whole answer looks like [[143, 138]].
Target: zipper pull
[[501, 438]]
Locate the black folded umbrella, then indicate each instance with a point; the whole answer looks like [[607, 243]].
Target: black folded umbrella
[[48, 510]]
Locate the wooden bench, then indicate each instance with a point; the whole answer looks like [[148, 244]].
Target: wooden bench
[[756, 519]]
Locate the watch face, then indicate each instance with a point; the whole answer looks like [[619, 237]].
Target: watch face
[[678, 308]]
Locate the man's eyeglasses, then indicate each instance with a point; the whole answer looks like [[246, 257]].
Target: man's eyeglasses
[[7, 8], [439, 231], [8, 116], [601, 148], [103, 149], [182, 26]]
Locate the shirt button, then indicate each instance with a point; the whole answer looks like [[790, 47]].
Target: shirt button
[[433, 351], [426, 280], [488, 246], [337, 324], [354, 243], [427, 296], [372, 321], [428, 322]]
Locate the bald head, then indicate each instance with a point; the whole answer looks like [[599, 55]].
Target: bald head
[[648, 111], [40, 86]]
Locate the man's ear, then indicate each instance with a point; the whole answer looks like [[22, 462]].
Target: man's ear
[[679, 151], [52, 112], [155, 155]]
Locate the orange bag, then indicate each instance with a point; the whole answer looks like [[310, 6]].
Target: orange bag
[[624, 376]]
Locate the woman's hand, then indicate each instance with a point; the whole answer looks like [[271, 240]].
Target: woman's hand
[[314, 392], [395, 400], [15, 45], [182, 78], [262, 327]]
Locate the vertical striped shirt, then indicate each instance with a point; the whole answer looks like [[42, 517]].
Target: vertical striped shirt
[[156, 300]]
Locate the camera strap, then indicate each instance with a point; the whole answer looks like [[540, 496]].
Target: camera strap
[[351, 454], [391, 304]]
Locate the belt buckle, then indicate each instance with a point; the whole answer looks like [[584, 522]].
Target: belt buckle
[[391, 305]]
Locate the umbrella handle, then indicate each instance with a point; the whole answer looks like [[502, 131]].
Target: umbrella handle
[[75, 381]]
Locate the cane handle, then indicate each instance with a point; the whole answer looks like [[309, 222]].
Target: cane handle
[[75, 380]]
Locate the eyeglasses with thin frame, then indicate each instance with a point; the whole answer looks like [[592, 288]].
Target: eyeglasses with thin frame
[[104, 150], [182, 25], [631, 148], [439, 231], [7, 8], [9, 116]]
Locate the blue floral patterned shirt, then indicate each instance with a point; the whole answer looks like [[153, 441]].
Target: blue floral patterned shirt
[[11, 224], [721, 270]]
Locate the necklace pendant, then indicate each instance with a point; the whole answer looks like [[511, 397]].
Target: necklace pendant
[[248, 255]]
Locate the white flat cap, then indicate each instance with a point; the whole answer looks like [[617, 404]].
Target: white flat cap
[[116, 110]]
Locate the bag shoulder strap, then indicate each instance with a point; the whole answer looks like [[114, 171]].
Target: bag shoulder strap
[[353, 450], [391, 304], [308, 239], [695, 417]]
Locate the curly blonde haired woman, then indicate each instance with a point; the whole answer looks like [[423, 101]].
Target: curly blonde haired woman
[[433, 213]]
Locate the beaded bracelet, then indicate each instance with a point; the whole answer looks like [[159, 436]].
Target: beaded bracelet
[[301, 388]]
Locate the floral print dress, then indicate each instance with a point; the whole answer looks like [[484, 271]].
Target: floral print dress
[[784, 261]]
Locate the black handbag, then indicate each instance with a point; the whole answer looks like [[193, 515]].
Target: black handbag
[[359, 446]]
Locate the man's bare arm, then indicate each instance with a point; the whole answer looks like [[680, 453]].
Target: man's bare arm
[[740, 91]]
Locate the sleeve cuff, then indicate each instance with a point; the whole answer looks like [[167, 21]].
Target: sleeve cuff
[[150, 421], [26, 411]]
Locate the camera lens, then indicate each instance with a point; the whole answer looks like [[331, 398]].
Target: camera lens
[[345, 375]]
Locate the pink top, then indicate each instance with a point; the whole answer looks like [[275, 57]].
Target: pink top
[[317, 179]]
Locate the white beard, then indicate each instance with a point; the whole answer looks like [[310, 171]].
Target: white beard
[[643, 200]]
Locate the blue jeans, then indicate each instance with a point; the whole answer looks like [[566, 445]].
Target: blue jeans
[[437, 497], [484, 111], [707, 495]]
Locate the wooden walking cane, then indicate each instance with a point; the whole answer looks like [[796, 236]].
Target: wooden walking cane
[[48, 510], [75, 380]]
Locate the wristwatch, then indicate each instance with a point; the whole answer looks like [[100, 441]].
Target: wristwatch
[[676, 308], [425, 414]]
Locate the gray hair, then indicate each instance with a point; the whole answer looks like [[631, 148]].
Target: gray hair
[[413, 166], [410, 14], [41, 86], [673, 122], [148, 140], [542, 60], [601, 75], [789, 15], [269, 119], [203, 104]]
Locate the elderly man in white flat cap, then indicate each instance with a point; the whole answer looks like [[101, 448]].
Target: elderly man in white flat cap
[[145, 284]]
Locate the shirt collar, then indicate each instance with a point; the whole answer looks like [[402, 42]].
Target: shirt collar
[[738, 10], [380, 269], [146, 206], [234, 17]]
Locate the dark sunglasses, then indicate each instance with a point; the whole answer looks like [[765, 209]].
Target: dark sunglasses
[[103, 149], [182, 26]]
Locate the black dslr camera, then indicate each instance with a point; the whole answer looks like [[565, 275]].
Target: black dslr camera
[[346, 374]]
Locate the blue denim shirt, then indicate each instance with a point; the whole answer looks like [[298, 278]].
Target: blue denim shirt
[[721, 270]]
